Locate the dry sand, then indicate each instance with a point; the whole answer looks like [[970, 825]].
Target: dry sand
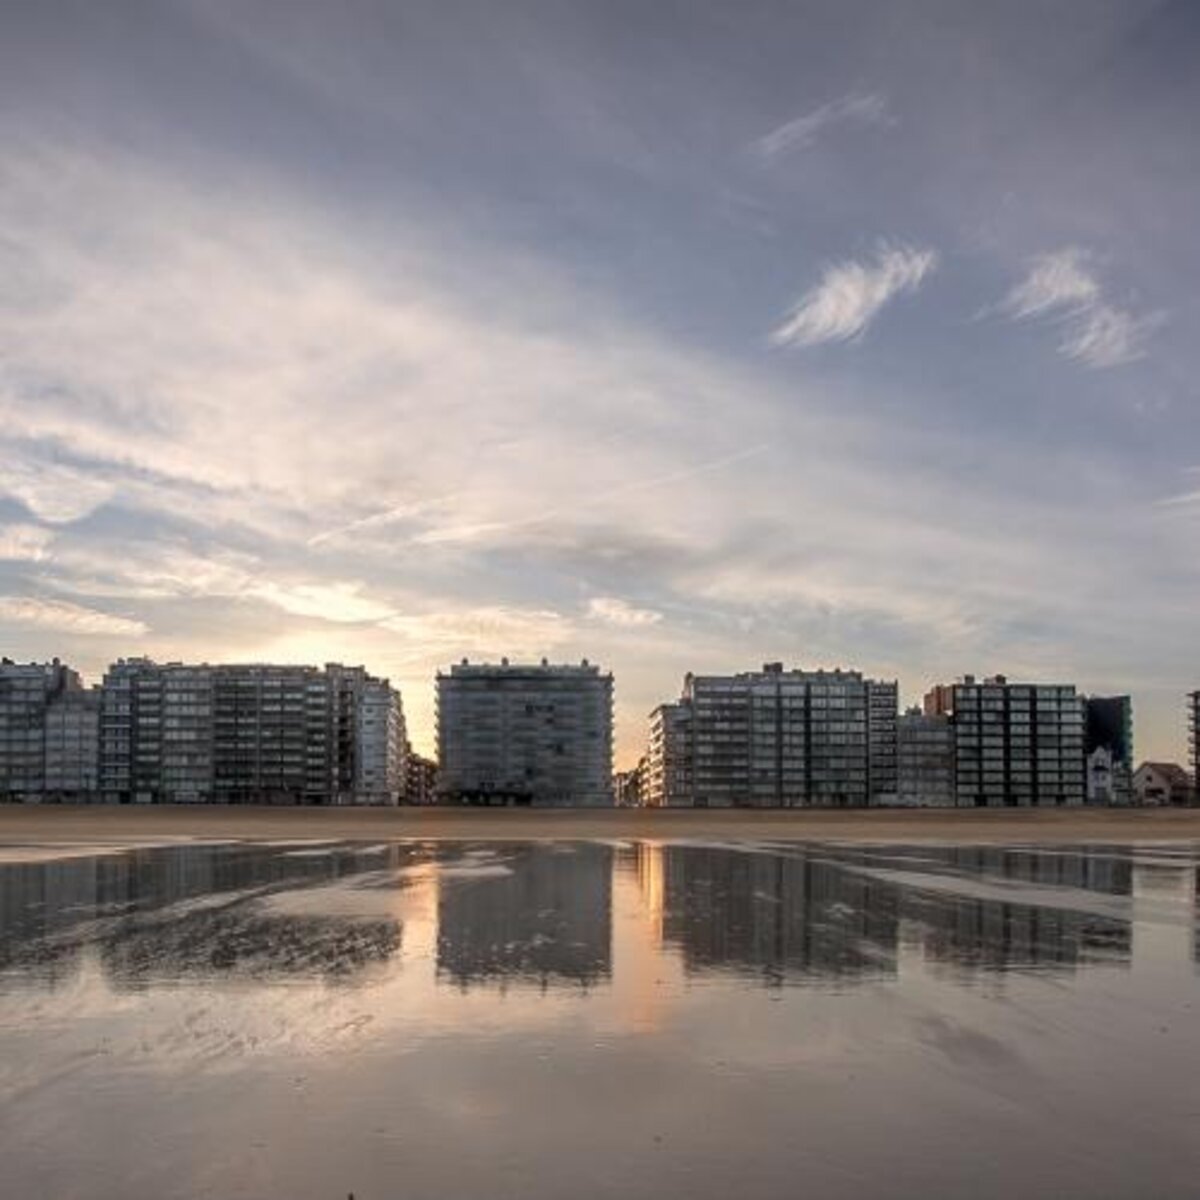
[[25, 827]]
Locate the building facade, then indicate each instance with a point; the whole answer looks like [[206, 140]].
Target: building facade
[[1193, 724], [1158, 784], [34, 696], [381, 776], [520, 734], [73, 746], [925, 760], [420, 779], [628, 786], [1014, 744], [883, 744], [249, 734], [668, 776], [775, 739], [1108, 745]]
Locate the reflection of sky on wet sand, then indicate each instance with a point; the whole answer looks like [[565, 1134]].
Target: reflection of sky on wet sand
[[651, 1019]]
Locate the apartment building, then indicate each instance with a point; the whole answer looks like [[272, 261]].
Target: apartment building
[[420, 779], [883, 708], [775, 739], [1014, 744], [253, 733], [925, 760], [521, 734], [29, 692], [73, 746], [1193, 723], [628, 785], [381, 744], [668, 777]]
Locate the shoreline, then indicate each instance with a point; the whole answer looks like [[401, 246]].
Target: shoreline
[[51, 825]]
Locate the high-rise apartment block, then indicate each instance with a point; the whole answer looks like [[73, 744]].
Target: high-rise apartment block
[[883, 707], [1014, 744], [1193, 722], [380, 776], [775, 739], [668, 779], [176, 733], [73, 745], [925, 760], [513, 734], [37, 699]]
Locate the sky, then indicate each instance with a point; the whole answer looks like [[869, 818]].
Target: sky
[[680, 336]]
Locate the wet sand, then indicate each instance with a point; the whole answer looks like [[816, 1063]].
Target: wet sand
[[616, 1019], [25, 826]]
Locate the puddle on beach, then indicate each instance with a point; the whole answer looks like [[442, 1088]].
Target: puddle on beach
[[582, 1019]]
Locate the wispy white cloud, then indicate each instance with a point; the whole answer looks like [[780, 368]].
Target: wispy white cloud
[[851, 294], [24, 543], [394, 515], [1178, 500], [167, 572], [52, 491], [861, 108], [149, 570], [486, 629], [341, 602], [1105, 336], [61, 617], [1055, 282], [472, 531], [1062, 286], [268, 321], [612, 610], [466, 531]]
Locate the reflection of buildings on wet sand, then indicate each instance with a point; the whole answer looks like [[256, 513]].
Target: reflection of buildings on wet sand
[[835, 915], [180, 912], [776, 915], [1166, 930], [1041, 930], [646, 860], [547, 919], [543, 914]]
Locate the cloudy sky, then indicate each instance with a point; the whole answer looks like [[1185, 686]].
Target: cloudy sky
[[673, 335]]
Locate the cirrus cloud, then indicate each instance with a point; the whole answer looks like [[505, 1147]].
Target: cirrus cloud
[[339, 601], [861, 108], [66, 618], [612, 610], [851, 294], [1062, 286], [24, 543], [53, 492]]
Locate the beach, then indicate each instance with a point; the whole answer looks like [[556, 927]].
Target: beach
[[32, 825], [651, 1005]]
